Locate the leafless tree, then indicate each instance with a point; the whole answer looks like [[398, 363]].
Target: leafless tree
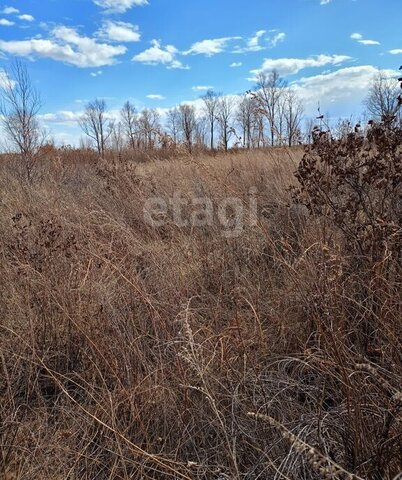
[[382, 101], [225, 113], [259, 124], [201, 132], [187, 124], [270, 90], [308, 130], [173, 123], [117, 137], [342, 128], [19, 108], [95, 124], [293, 114], [149, 128], [211, 103], [130, 123], [244, 118]]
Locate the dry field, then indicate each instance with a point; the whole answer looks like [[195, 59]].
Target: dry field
[[130, 351]]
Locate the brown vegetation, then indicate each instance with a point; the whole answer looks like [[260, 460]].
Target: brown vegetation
[[129, 351]]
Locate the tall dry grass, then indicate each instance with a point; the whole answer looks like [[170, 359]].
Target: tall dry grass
[[129, 351]]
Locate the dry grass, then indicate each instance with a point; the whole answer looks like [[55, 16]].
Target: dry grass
[[129, 351]]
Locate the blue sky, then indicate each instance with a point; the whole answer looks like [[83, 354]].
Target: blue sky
[[158, 53]]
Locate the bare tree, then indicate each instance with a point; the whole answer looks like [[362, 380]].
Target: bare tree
[[211, 103], [173, 123], [149, 127], [309, 124], [201, 132], [258, 134], [129, 121], [117, 137], [95, 124], [224, 116], [270, 90], [19, 108], [382, 97], [342, 128], [187, 124], [293, 114], [244, 118]]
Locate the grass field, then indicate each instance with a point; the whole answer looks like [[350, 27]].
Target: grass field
[[238, 349]]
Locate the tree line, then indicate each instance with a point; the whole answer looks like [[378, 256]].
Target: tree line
[[272, 114]]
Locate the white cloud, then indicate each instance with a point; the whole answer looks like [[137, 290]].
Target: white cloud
[[9, 10], [347, 85], [120, 32], [369, 42], [160, 55], [359, 38], [65, 138], [66, 45], [62, 117], [396, 51], [236, 64], [202, 88], [325, 2], [210, 47], [253, 43], [278, 38], [68, 120], [68, 117], [5, 79], [119, 6], [6, 23], [261, 41], [26, 18], [155, 96], [96, 74], [290, 66]]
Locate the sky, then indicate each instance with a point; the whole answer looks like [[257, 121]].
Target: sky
[[159, 53]]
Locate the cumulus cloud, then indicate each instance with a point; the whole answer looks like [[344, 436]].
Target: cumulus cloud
[[68, 117], [347, 85], [291, 66], [210, 47], [9, 10], [96, 74], [277, 38], [253, 43], [26, 18], [325, 2], [396, 51], [261, 40], [66, 45], [6, 23], [120, 32], [61, 117], [359, 38], [160, 55], [119, 6], [235, 64]]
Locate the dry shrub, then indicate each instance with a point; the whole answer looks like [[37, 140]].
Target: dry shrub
[[129, 351]]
